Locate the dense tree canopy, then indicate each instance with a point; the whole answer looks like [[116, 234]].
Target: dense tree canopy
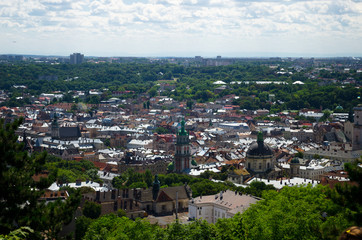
[[193, 83], [20, 193], [294, 213]]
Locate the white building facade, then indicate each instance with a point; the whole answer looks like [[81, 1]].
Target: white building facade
[[223, 205]]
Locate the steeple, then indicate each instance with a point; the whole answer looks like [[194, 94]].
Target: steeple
[[55, 127], [182, 150], [260, 137], [182, 131], [155, 187], [55, 121]]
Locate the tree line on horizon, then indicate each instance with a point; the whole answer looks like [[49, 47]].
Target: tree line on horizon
[[191, 84]]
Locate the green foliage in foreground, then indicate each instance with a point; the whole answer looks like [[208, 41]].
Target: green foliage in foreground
[[17, 234], [91, 210], [293, 213], [299, 212], [19, 200]]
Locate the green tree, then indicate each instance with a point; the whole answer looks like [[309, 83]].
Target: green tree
[[299, 154], [74, 107], [189, 104], [18, 199], [81, 225], [18, 234], [20, 205], [121, 213], [148, 178], [293, 213], [348, 197], [114, 227], [91, 210], [56, 214], [138, 185], [229, 228], [117, 182], [161, 130], [153, 92]]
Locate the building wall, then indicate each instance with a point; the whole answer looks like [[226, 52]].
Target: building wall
[[333, 154], [202, 211], [192, 211], [164, 208], [259, 165], [357, 137], [348, 130], [302, 135], [208, 211], [234, 178], [311, 173], [158, 167], [358, 116], [219, 213]]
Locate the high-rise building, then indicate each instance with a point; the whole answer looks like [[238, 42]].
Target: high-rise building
[[76, 58]]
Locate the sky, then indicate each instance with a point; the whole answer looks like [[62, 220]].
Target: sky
[[182, 28]]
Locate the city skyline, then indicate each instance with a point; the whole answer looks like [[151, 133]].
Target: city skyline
[[166, 28]]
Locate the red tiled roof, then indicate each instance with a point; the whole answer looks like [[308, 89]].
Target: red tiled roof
[[100, 165]]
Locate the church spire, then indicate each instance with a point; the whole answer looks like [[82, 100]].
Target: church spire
[[260, 137], [182, 131], [155, 187]]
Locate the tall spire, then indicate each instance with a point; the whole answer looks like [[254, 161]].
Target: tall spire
[[155, 187], [260, 136], [182, 130]]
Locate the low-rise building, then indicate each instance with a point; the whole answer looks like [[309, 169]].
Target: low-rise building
[[223, 205], [238, 176]]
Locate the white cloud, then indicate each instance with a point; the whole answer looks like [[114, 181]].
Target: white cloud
[[193, 21]]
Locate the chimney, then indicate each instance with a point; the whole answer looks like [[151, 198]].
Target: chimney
[[78, 182]]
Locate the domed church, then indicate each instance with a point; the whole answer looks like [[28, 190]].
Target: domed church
[[259, 157]]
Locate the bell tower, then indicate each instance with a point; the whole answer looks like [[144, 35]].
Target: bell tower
[[55, 128], [182, 151]]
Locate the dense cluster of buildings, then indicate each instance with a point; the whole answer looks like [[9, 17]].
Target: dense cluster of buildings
[[121, 134]]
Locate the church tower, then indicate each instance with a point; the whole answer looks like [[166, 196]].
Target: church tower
[[294, 167], [357, 128], [259, 157], [55, 128], [182, 151]]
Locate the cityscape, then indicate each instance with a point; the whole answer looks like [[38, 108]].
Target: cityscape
[[183, 139], [181, 119]]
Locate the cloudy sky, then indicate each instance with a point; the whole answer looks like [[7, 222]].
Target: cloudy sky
[[182, 27]]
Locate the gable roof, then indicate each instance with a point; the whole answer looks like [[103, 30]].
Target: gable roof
[[163, 197], [69, 132]]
